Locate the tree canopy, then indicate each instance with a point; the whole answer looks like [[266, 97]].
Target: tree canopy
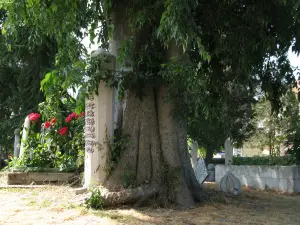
[[22, 67]]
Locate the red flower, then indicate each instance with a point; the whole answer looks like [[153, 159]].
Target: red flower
[[34, 117], [69, 118], [82, 114], [47, 124], [63, 131], [73, 114], [53, 121]]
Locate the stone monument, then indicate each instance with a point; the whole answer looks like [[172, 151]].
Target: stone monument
[[211, 173], [99, 125], [198, 165], [17, 143], [194, 150], [25, 133], [230, 184], [228, 151]]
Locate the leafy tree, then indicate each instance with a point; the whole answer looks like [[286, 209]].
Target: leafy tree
[[276, 128], [292, 114], [229, 115], [22, 67], [176, 48]]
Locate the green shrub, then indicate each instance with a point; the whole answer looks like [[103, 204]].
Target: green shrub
[[95, 201], [265, 160], [218, 161]]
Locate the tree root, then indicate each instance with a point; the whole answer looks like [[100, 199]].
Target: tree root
[[128, 196]]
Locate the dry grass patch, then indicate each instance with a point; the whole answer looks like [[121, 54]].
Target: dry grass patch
[[58, 205]]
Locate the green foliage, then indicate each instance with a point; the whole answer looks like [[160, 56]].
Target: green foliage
[[292, 114], [95, 201], [201, 151], [265, 160], [46, 148], [117, 145], [15, 163], [23, 63], [276, 128]]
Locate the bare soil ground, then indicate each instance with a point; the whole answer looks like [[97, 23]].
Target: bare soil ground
[[58, 205]]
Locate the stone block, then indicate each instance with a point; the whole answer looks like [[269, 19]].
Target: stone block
[[281, 178], [268, 171], [253, 182], [251, 171], [239, 171], [17, 178], [276, 184], [296, 185], [220, 172], [38, 177], [26, 178], [287, 172]]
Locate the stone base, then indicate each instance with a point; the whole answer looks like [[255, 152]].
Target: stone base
[[27, 178], [278, 178]]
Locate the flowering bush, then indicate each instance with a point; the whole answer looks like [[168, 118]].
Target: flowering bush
[[34, 117], [58, 144], [63, 131]]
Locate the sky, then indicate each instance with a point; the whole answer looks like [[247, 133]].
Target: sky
[[294, 59]]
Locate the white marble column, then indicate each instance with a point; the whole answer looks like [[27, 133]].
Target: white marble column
[[98, 127], [228, 151], [17, 143], [25, 132], [194, 151]]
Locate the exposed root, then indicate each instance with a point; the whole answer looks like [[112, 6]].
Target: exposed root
[[128, 196]]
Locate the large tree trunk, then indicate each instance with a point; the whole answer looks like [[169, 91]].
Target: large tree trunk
[[209, 155], [157, 154], [157, 162]]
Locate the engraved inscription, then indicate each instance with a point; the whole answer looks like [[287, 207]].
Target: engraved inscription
[[90, 105], [90, 146], [89, 129], [89, 149], [90, 113], [91, 135], [90, 121]]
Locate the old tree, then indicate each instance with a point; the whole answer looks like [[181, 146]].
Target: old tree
[[186, 55]]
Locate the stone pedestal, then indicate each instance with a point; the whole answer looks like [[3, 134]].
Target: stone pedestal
[[99, 127], [228, 151]]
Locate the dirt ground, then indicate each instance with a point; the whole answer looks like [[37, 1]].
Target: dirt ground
[[59, 205]]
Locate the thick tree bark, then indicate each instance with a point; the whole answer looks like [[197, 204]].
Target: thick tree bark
[[157, 162], [158, 154], [209, 155]]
